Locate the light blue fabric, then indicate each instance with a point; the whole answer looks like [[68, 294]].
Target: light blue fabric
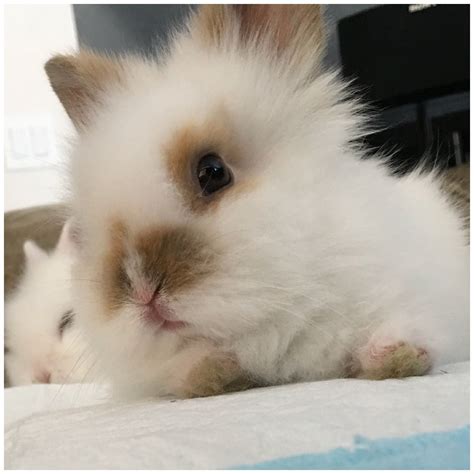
[[441, 450]]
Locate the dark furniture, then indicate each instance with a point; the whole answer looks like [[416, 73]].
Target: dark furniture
[[413, 62]]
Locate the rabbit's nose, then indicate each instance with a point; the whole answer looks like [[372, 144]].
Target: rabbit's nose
[[43, 377]]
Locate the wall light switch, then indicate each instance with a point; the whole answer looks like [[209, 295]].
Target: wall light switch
[[29, 142], [39, 139], [19, 142]]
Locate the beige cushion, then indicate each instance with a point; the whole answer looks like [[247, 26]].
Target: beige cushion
[[42, 224]]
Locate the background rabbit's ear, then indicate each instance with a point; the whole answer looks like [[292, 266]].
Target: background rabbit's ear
[[80, 81], [33, 253], [67, 243], [296, 30]]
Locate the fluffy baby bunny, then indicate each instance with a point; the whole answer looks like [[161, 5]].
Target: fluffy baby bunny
[[43, 342], [231, 232]]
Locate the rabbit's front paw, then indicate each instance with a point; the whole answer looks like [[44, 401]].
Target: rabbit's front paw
[[397, 360], [217, 373]]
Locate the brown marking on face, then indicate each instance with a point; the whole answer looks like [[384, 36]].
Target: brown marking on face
[[115, 283], [298, 29], [80, 80], [174, 258], [192, 142], [170, 259]]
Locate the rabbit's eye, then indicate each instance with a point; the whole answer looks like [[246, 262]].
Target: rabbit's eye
[[213, 174], [66, 321]]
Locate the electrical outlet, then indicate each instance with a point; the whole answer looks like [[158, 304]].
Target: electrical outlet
[[29, 142]]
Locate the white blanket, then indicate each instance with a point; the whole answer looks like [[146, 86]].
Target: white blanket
[[301, 425]]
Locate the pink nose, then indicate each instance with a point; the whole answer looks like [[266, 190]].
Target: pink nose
[[143, 295], [43, 377]]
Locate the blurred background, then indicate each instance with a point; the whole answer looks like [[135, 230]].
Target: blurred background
[[410, 61]]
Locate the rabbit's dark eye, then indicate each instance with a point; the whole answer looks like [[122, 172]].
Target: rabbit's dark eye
[[66, 321], [213, 174]]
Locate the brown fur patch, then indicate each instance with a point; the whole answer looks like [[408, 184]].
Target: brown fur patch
[[80, 80], [216, 374], [455, 183], [115, 283], [403, 360], [296, 28], [192, 142], [174, 258], [171, 259]]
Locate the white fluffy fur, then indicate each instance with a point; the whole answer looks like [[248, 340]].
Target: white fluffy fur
[[327, 252], [32, 317]]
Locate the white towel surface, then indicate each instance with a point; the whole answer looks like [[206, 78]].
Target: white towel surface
[[75, 427]]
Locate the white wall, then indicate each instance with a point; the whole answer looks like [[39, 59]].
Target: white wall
[[32, 34]]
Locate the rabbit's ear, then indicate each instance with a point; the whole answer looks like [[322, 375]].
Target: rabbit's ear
[[80, 80], [67, 242], [33, 253], [293, 29]]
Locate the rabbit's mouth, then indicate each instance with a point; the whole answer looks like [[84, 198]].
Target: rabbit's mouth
[[157, 314]]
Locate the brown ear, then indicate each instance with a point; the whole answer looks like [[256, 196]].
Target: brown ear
[[80, 80], [295, 29]]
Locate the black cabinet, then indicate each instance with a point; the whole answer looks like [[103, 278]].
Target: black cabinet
[[412, 62]]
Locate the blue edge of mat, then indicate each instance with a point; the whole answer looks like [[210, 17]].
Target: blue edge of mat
[[440, 450]]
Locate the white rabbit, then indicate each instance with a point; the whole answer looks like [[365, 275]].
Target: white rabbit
[[229, 223], [43, 343]]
